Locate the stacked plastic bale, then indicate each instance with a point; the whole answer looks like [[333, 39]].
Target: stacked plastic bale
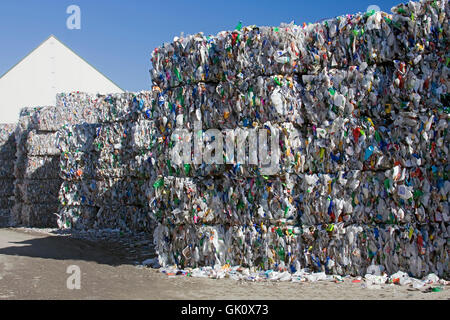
[[401, 145], [195, 201], [37, 178], [26, 167], [368, 177], [102, 189], [7, 159]]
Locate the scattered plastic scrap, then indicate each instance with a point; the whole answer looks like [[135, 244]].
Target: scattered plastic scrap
[[369, 281]]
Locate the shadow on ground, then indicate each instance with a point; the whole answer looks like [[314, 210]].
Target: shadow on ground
[[15, 243]]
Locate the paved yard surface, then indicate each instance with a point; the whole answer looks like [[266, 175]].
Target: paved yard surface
[[33, 265]]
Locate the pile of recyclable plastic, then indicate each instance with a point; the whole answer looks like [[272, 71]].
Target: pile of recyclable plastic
[[358, 106], [102, 188], [37, 170], [375, 278], [415, 33], [7, 160], [361, 105]]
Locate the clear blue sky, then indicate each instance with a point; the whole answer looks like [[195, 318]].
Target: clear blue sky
[[118, 36]]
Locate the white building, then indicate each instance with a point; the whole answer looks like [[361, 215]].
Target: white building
[[49, 69]]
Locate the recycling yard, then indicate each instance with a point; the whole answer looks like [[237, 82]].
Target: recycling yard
[[293, 162]]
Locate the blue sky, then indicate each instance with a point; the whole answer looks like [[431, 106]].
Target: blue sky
[[118, 36]]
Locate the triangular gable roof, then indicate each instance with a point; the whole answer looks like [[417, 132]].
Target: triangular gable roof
[[49, 69], [55, 38]]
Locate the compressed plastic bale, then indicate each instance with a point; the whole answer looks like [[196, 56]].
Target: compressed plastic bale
[[374, 197], [228, 55], [125, 107], [347, 40], [365, 143], [375, 37], [127, 218], [37, 168], [424, 19], [75, 165], [244, 152], [77, 138], [77, 217], [16, 214], [223, 200], [355, 255], [6, 203], [7, 141], [39, 191], [263, 246], [342, 144], [6, 169], [173, 68], [342, 250], [39, 215], [106, 218], [224, 244], [71, 100], [104, 108], [81, 166], [6, 206], [5, 218], [96, 137], [55, 117], [372, 37], [228, 104], [411, 248], [27, 118], [352, 197], [423, 138], [91, 108], [6, 131], [122, 159], [419, 87], [344, 92], [114, 136], [373, 91], [108, 165], [25, 125], [91, 144], [113, 108], [50, 118], [42, 144], [112, 192], [114, 163], [6, 188], [37, 165]]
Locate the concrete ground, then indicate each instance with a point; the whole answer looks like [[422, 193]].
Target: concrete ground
[[33, 265]]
